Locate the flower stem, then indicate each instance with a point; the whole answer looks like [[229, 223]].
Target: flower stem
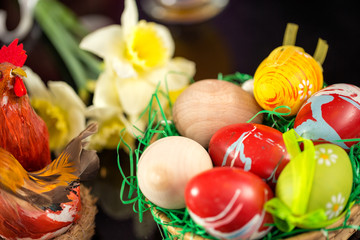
[[64, 31]]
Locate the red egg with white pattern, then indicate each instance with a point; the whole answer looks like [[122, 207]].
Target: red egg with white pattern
[[256, 148], [228, 203], [331, 114]]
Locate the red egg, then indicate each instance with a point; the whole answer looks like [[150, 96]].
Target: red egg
[[331, 114], [228, 203], [255, 148]]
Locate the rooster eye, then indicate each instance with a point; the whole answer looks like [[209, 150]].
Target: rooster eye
[[1, 76]]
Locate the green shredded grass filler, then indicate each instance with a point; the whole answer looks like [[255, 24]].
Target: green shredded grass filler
[[159, 126]]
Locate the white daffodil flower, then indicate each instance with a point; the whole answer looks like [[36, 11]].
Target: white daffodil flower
[[59, 106], [113, 127], [138, 57]]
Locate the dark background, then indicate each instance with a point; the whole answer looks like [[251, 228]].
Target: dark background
[[237, 39]]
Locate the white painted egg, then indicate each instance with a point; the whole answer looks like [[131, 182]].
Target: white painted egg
[[166, 166]]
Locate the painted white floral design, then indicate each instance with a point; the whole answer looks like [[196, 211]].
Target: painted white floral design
[[326, 156], [335, 206], [305, 89]]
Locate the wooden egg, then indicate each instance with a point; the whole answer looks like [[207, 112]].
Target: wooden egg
[[256, 148], [207, 105], [331, 114], [229, 203], [287, 77], [166, 166]]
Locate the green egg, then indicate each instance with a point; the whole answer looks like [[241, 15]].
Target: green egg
[[332, 181], [314, 188]]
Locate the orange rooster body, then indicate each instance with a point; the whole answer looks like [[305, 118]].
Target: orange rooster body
[[22, 132], [44, 204]]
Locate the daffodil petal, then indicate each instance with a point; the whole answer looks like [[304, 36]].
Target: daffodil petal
[[72, 106], [122, 68], [59, 106], [77, 123], [35, 86], [168, 41], [130, 16], [135, 95], [108, 135], [175, 75], [105, 93], [102, 113], [65, 96], [104, 41], [112, 123]]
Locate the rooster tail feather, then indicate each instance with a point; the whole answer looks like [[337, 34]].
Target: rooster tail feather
[[85, 161], [89, 160], [89, 165], [73, 161], [90, 130]]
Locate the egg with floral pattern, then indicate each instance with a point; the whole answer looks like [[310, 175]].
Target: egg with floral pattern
[[331, 114], [287, 77], [332, 180], [325, 196]]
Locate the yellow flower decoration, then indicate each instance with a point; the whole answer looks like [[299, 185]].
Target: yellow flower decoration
[[59, 106], [138, 57], [112, 126], [145, 47]]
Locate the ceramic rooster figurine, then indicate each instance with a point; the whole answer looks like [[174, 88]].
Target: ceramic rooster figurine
[[45, 203], [22, 131]]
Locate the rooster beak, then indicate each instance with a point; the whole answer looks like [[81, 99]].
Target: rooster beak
[[19, 71]]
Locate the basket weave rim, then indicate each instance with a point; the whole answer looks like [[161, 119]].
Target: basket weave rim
[[174, 230], [343, 233], [84, 228]]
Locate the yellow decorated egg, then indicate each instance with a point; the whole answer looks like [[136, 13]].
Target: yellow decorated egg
[[287, 77]]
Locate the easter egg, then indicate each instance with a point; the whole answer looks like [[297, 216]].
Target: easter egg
[[287, 77], [228, 203], [166, 166], [207, 105], [331, 114], [316, 196], [332, 180], [256, 148]]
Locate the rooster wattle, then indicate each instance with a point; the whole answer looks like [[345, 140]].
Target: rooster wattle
[[23, 133], [45, 203]]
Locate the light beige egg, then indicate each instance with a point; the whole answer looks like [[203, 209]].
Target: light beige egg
[[208, 105], [166, 166]]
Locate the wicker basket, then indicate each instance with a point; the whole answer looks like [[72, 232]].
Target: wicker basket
[[340, 234], [337, 230], [84, 229]]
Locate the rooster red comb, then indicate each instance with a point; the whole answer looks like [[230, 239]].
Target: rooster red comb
[[14, 54]]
